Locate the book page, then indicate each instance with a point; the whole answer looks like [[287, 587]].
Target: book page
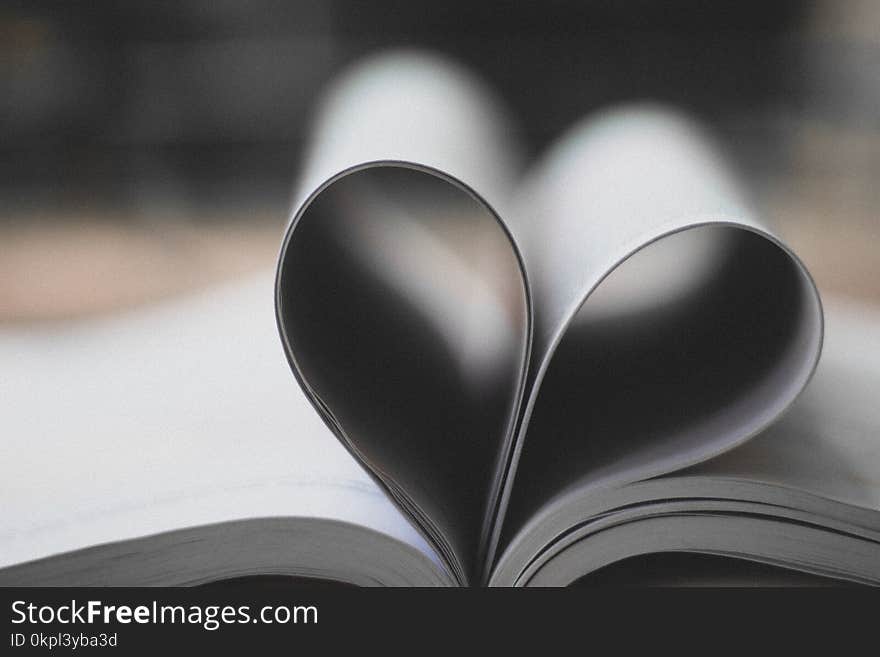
[[167, 418], [670, 325], [401, 298]]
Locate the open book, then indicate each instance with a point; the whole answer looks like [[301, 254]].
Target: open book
[[520, 377]]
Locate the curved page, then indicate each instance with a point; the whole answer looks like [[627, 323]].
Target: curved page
[[401, 299], [670, 324]]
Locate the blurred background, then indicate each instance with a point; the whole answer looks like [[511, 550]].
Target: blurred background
[[149, 149]]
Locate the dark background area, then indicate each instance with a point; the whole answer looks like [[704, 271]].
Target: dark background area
[[149, 148]]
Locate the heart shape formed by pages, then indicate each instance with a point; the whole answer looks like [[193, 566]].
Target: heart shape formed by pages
[[631, 317]]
